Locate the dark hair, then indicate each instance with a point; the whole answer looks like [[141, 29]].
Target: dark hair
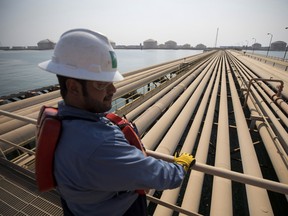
[[63, 88]]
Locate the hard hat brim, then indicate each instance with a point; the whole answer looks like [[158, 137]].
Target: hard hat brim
[[78, 73]]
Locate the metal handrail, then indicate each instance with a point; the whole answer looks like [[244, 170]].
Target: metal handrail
[[239, 177], [18, 147], [280, 88], [171, 206], [19, 117]]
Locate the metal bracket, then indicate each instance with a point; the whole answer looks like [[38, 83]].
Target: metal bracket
[[278, 94]]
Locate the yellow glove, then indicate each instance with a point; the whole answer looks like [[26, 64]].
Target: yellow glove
[[186, 160]]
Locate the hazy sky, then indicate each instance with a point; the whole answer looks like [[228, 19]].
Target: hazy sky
[[126, 22]]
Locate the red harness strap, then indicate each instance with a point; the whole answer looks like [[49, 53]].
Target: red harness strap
[[129, 130], [47, 137]]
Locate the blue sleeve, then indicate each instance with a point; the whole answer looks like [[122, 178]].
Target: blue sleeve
[[116, 165]]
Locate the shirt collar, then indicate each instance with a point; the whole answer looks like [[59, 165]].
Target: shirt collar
[[66, 110]]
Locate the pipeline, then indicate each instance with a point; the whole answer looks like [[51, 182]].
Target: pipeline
[[172, 195], [154, 135], [195, 181], [179, 83], [246, 179], [134, 81], [274, 149], [221, 186], [266, 72], [184, 119], [276, 130], [278, 94], [258, 200]]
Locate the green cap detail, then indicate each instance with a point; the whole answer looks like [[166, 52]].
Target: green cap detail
[[114, 59]]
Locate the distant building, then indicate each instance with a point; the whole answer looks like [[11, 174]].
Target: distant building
[[200, 46], [133, 47], [256, 46], [4, 48], [18, 48], [170, 44], [46, 44], [278, 46], [150, 44], [32, 47], [186, 46], [113, 44]]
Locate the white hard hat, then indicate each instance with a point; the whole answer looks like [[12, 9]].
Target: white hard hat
[[84, 54]]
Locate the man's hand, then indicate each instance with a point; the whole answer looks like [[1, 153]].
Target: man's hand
[[186, 160]]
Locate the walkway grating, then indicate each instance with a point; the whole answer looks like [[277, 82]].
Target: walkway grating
[[19, 196]]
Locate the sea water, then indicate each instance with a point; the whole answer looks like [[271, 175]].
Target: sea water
[[19, 71]]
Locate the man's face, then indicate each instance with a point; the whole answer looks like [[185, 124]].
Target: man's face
[[92, 96], [99, 96]]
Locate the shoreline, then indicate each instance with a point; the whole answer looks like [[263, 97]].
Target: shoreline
[[27, 94]]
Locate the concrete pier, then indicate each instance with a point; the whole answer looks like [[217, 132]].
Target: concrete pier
[[227, 108]]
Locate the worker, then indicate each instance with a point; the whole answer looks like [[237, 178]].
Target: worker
[[97, 171]]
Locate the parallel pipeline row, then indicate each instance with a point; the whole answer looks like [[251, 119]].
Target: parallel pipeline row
[[225, 108]]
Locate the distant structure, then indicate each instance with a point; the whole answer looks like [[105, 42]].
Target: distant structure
[[186, 46], [113, 44], [150, 44], [278, 46], [216, 38], [4, 48], [256, 46], [200, 46], [170, 44], [45, 44], [18, 48]]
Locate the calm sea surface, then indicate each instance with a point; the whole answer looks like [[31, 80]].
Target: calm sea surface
[[19, 70]]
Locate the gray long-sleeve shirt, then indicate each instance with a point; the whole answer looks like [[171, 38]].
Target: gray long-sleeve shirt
[[94, 162]]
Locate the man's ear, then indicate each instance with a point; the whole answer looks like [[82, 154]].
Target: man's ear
[[73, 87]]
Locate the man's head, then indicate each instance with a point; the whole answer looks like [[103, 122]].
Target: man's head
[[84, 60], [93, 96]]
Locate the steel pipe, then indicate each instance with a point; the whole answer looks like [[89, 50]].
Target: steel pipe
[[170, 141], [10, 107], [145, 120], [275, 127], [278, 94], [154, 135], [191, 199], [278, 158], [151, 100], [265, 71], [133, 114], [12, 123], [258, 200], [224, 173], [172, 195], [222, 186]]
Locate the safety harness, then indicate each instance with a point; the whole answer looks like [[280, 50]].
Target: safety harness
[[48, 132]]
